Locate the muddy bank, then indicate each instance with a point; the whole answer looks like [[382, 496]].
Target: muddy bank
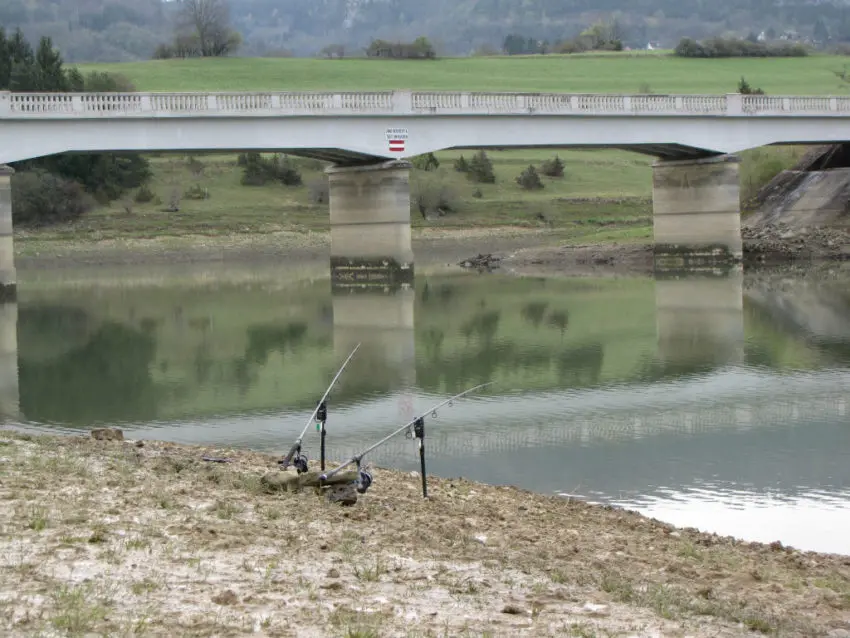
[[145, 538]]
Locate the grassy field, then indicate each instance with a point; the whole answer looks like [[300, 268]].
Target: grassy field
[[591, 73], [604, 196]]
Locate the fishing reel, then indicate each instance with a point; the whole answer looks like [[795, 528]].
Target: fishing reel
[[364, 480], [300, 463], [417, 430]]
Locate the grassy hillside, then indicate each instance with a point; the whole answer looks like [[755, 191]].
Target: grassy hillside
[[620, 73]]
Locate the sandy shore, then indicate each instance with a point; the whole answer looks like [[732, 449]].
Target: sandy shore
[[144, 538]]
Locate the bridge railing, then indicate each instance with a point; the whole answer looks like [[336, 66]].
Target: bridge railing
[[406, 103]]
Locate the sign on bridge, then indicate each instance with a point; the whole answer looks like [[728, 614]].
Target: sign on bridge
[[396, 139]]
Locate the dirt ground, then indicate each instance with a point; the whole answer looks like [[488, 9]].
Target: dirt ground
[[145, 538]]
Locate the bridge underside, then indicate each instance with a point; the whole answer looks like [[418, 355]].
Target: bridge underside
[[667, 152]]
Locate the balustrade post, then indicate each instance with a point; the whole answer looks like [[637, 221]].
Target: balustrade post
[[734, 104], [402, 102], [5, 103], [833, 104], [212, 102]]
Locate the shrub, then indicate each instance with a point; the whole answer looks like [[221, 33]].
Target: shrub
[[426, 162], [481, 169], [196, 191], [319, 190], [737, 48], [461, 165], [429, 194], [144, 195], [258, 170], [744, 88], [553, 167], [40, 198], [529, 179], [103, 82]]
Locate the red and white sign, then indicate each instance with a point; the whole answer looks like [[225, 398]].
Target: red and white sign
[[396, 139]]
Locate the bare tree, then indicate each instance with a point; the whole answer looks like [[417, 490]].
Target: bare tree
[[208, 22]]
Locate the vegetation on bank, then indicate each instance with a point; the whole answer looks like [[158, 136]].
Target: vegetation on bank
[[61, 188]]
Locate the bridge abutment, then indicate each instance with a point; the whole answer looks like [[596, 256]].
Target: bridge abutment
[[370, 223], [8, 278], [696, 213]]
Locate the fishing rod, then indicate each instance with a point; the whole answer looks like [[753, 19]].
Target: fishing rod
[[364, 480], [320, 414]]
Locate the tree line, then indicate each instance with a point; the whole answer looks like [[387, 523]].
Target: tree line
[[62, 187]]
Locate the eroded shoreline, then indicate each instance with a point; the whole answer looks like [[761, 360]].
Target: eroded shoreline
[[130, 538]]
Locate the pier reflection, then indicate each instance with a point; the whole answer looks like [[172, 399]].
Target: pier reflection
[[9, 392]]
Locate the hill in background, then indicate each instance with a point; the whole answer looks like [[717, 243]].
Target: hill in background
[[121, 30]]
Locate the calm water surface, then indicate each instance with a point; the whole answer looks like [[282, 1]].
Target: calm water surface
[[714, 403]]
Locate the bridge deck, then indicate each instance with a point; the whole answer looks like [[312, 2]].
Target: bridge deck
[[367, 127]]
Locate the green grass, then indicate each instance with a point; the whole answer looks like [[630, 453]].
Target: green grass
[[623, 73]]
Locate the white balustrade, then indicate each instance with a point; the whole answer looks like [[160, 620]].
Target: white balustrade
[[52, 105]]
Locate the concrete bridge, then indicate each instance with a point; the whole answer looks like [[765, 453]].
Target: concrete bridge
[[368, 135]]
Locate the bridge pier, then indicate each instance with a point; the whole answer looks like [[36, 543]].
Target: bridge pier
[[696, 213], [8, 279], [370, 223]]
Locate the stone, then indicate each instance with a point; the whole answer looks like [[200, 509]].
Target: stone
[[513, 610], [343, 494], [225, 598], [333, 572], [594, 609], [107, 434]]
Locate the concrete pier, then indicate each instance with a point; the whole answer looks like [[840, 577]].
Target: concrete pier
[[696, 213], [700, 319], [370, 223], [8, 278]]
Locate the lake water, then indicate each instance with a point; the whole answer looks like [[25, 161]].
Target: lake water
[[718, 403]]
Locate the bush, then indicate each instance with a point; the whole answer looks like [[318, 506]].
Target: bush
[[426, 162], [529, 179], [319, 190], [744, 88], [144, 195], [258, 170], [102, 82], [481, 169], [553, 167], [39, 199], [429, 194], [196, 191], [461, 165], [737, 48]]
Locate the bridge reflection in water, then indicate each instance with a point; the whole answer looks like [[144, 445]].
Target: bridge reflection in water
[[9, 393]]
